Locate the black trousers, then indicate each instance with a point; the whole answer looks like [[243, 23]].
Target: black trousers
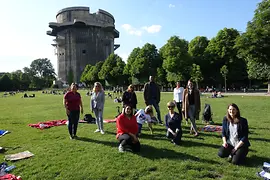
[[238, 157], [73, 120], [126, 140], [176, 139]]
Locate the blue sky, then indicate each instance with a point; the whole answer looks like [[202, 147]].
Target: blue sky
[[24, 24]]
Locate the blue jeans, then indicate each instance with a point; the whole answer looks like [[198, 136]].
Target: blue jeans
[[154, 103], [99, 118], [73, 120]]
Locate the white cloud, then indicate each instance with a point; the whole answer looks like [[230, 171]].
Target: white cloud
[[152, 29], [171, 5], [130, 30]]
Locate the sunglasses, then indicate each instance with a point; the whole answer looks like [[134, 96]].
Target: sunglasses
[[170, 106]]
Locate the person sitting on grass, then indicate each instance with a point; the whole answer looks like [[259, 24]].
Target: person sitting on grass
[[145, 115], [235, 136], [127, 129], [173, 122]]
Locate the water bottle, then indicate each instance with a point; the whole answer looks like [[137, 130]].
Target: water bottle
[[9, 168]]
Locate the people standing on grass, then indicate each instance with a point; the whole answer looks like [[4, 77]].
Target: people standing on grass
[[73, 106], [151, 94], [127, 129], [97, 105], [234, 136], [173, 122], [178, 96], [129, 97], [191, 105]]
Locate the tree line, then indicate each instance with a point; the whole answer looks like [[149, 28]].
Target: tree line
[[230, 58]]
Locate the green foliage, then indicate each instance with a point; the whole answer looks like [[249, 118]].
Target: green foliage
[[257, 70], [176, 60], [84, 77], [196, 74], [112, 70], [6, 83], [224, 71], [96, 156]]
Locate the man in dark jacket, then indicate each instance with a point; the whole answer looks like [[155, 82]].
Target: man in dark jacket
[[151, 93]]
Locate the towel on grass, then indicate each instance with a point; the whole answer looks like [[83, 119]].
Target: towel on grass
[[18, 156], [3, 132], [212, 128], [48, 124]]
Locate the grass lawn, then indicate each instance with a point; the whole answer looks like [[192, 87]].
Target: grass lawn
[[96, 156]]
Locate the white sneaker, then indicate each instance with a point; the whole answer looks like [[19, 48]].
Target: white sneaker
[[97, 130], [121, 148], [102, 132]]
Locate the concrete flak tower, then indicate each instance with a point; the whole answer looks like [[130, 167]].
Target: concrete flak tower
[[81, 38]]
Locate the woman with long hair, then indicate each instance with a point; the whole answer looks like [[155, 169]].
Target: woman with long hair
[[97, 105], [234, 136], [129, 97], [127, 128]]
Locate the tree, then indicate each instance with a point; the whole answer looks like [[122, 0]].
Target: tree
[[224, 72], [130, 60], [196, 74], [255, 42], [112, 70], [221, 51], [5, 83], [176, 60], [146, 62], [84, 77], [254, 45]]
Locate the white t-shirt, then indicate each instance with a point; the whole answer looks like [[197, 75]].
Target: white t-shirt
[[178, 94], [142, 117], [233, 140]]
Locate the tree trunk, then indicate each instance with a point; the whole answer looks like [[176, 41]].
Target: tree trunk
[[268, 91], [225, 84]]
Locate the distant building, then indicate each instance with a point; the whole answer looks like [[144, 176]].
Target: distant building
[[81, 38]]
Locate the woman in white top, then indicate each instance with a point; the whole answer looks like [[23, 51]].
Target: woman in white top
[[145, 116], [177, 96]]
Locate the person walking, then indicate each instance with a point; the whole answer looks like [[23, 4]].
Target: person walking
[[97, 105], [151, 94], [73, 104], [191, 105]]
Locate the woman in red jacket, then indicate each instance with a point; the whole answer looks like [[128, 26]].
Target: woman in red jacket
[[127, 128]]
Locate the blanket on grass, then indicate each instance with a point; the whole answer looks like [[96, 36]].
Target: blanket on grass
[[48, 124], [3, 132], [212, 128]]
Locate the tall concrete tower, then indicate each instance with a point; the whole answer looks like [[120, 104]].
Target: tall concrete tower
[[81, 38]]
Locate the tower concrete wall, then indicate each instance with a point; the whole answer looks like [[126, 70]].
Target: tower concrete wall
[[81, 38]]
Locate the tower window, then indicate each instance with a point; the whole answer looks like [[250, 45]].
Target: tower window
[[84, 51]]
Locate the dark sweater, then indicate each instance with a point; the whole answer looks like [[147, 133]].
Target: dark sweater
[[174, 122]]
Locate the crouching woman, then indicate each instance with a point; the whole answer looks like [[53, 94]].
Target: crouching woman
[[127, 128], [235, 136], [173, 124]]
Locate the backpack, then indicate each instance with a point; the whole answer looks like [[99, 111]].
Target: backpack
[[89, 118]]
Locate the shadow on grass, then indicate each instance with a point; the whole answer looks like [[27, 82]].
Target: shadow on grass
[[259, 139], [256, 161], [186, 143], [151, 152]]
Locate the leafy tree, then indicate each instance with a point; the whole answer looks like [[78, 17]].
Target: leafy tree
[[131, 59], [221, 51], [161, 76], [176, 60], [84, 77], [112, 70], [146, 62], [224, 72], [196, 74], [6, 83]]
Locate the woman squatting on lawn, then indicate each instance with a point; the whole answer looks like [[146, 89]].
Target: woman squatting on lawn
[[97, 105], [127, 128], [235, 136], [73, 104], [173, 122]]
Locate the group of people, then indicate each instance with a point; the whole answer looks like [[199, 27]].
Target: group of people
[[129, 123]]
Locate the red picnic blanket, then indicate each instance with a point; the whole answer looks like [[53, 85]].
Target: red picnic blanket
[[48, 124]]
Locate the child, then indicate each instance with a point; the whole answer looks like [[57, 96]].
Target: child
[[143, 116]]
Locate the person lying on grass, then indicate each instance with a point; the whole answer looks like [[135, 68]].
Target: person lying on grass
[[145, 115], [235, 136], [173, 122], [127, 129]]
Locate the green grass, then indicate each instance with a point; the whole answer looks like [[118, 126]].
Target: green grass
[[96, 156]]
